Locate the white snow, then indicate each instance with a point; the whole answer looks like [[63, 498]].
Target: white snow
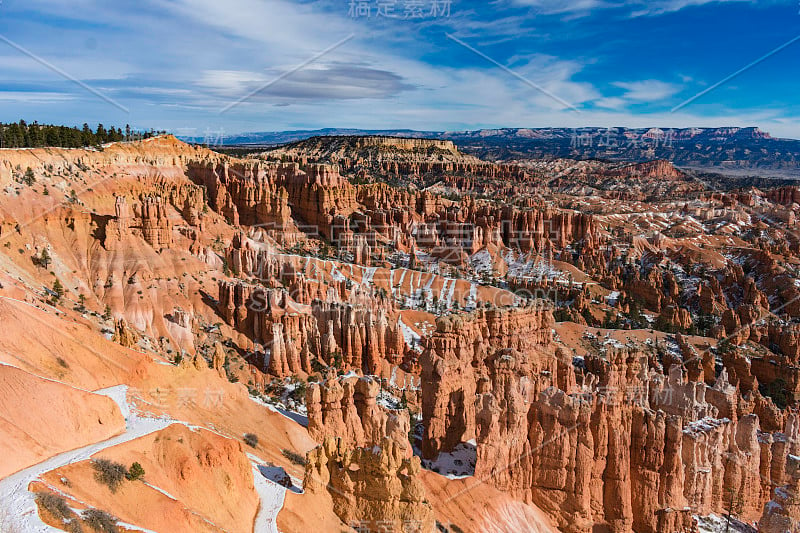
[[472, 298], [411, 337], [162, 491], [717, 524], [610, 341], [704, 425], [272, 496], [18, 507], [281, 409], [135, 528], [481, 261], [458, 464], [388, 401], [447, 292], [335, 274], [368, 275]]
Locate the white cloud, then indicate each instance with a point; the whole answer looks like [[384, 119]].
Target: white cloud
[[31, 97], [553, 7], [611, 102], [652, 91]]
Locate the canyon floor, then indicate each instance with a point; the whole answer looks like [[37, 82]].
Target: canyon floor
[[387, 334]]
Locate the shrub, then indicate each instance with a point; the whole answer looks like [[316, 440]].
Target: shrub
[[109, 473], [135, 472], [55, 505], [100, 521], [251, 439], [294, 457]]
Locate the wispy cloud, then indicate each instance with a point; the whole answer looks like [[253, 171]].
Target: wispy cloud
[[31, 97], [652, 91], [329, 82]]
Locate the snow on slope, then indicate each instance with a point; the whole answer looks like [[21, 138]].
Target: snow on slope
[[272, 496]]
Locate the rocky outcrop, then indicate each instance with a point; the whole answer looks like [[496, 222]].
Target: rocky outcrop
[[675, 318], [347, 336], [784, 195], [614, 442], [156, 226], [154, 223], [218, 359], [257, 193], [118, 228], [124, 334], [456, 358], [348, 408], [373, 489]]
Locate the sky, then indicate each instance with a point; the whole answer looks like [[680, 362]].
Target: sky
[[213, 68]]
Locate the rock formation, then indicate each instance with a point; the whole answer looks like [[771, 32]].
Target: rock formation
[[374, 489], [347, 408]]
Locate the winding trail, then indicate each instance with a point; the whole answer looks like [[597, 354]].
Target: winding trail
[[18, 505], [18, 509]]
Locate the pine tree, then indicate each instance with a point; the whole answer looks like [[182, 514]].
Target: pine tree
[[29, 178], [26, 139], [44, 258], [58, 291], [135, 472], [87, 137]]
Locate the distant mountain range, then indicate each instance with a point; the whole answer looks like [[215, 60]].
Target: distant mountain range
[[738, 151]]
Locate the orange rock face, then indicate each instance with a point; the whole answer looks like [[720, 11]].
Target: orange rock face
[[622, 445], [347, 408], [372, 488], [449, 378], [72, 418]]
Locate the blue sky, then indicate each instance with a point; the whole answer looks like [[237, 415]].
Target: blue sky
[[180, 64]]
